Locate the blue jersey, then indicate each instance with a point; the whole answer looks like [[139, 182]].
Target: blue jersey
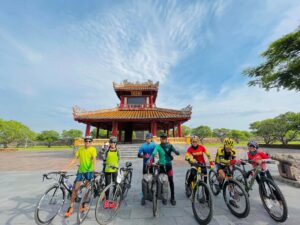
[[146, 149]]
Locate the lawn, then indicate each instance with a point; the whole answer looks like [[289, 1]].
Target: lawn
[[39, 148]]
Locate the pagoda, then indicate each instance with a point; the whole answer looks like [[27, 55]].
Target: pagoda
[[136, 111]]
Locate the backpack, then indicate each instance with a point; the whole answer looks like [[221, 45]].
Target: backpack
[[163, 186], [146, 186]]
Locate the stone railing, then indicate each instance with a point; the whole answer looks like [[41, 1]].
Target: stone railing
[[289, 166], [174, 140]]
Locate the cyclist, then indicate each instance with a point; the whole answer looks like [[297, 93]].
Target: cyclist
[[195, 154], [111, 158], [87, 157], [145, 152], [164, 150], [226, 155]]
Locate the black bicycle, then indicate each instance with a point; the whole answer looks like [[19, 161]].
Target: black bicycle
[[116, 192], [90, 190], [270, 194], [198, 191], [51, 203], [235, 196]]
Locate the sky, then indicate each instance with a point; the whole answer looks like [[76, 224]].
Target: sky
[[58, 54]]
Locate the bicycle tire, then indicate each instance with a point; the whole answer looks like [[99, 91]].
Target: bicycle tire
[[99, 207], [241, 192], [154, 200], [187, 188], [81, 216], [202, 187], [213, 182], [38, 218], [279, 195]]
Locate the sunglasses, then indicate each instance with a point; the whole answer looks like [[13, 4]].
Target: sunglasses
[[251, 146], [88, 141]]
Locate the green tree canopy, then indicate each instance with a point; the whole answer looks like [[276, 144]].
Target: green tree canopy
[[48, 136], [282, 66], [264, 129], [221, 133], [14, 131], [186, 131], [202, 132], [237, 135], [287, 127], [71, 135], [102, 133]]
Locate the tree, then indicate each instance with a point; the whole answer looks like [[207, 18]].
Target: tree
[[282, 66], [70, 135], [102, 133], [202, 132], [264, 129], [48, 136], [14, 131], [186, 131], [287, 127], [237, 135], [221, 133]]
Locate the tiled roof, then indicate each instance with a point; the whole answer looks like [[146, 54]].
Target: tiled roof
[[117, 113], [128, 86]]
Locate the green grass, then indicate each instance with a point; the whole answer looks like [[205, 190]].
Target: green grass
[[41, 148]]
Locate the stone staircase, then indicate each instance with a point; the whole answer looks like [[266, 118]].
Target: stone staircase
[[128, 151]]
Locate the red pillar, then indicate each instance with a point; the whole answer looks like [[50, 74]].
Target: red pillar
[[179, 129], [153, 128], [174, 130], [97, 135], [88, 129], [120, 136], [114, 128]]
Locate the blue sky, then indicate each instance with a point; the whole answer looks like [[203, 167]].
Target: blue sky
[[57, 54]]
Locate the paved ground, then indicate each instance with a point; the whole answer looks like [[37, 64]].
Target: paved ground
[[21, 186]]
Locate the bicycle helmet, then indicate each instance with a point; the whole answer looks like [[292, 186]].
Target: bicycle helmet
[[253, 144], [195, 138], [149, 136], [88, 138], [113, 139], [228, 143]]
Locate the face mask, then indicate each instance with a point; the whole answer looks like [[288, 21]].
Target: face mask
[[253, 152]]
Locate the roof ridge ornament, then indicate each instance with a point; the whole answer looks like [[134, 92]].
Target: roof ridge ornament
[[77, 110], [125, 83]]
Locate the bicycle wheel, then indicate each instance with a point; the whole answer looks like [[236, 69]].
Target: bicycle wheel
[[49, 205], [202, 203], [273, 200], [188, 190], [236, 198], [85, 204], [214, 182], [105, 215], [239, 175], [127, 183], [154, 200]]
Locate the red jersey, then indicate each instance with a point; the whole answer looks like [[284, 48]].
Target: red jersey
[[258, 156], [197, 154]]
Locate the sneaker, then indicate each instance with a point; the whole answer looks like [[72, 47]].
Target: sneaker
[[106, 204], [113, 205], [173, 201], [233, 203], [83, 207], [164, 201], [143, 201], [188, 191], [69, 212]]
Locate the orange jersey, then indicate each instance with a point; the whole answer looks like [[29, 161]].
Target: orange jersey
[[197, 154]]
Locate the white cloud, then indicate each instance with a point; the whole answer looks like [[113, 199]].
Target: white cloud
[[241, 105]]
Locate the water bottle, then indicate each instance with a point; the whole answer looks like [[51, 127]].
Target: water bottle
[[68, 184]]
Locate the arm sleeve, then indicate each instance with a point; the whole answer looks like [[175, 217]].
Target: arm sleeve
[[140, 151], [174, 150], [77, 154], [94, 153], [264, 155], [207, 153]]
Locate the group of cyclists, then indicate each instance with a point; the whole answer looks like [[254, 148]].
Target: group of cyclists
[[226, 155]]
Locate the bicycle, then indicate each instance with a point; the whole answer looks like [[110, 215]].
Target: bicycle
[[91, 190], [200, 195], [233, 192], [270, 194], [154, 189], [117, 191], [51, 203]]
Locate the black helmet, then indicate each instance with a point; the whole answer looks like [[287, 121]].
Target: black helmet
[[163, 135], [88, 138], [113, 139], [253, 144]]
